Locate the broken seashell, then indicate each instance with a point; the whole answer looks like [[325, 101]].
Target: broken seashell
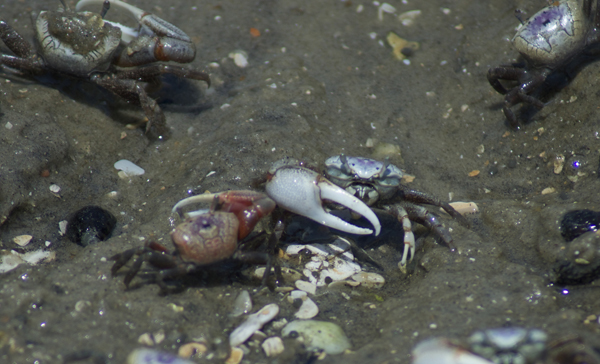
[[151, 356], [370, 280], [190, 349], [235, 357], [128, 168], [319, 335], [242, 304], [306, 286], [308, 309], [253, 323]]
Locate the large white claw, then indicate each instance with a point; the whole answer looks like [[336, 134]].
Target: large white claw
[[302, 191]]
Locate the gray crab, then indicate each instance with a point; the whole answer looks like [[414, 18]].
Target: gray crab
[[558, 38], [82, 45], [378, 184]]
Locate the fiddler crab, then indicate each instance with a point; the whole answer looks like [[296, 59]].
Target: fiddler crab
[[378, 184], [507, 345], [557, 38], [212, 236], [82, 45]]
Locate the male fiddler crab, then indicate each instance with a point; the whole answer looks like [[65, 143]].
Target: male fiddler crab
[[378, 184], [82, 45], [211, 237], [559, 38]]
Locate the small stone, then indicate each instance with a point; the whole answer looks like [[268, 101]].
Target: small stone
[[319, 335], [273, 346], [474, 173], [548, 190]]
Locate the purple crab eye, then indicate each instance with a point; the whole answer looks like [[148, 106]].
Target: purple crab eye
[[576, 164]]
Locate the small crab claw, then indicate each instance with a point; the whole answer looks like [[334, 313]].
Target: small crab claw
[[248, 206], [302, 191], [156, 40]]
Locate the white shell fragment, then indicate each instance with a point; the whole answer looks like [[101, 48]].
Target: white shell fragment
[[252, 324], [62, 227], [13, 259], [240, 58], [128, 168], [369, 280], [54, 188], [327, 261], [464, 208], [308, 309], [408, 18], [441, 351], [151, 356], [273, 346], [385, 8], [242, 304], [306, 286], [319, 335], [22, 240]]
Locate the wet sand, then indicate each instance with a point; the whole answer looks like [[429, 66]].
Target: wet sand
[[317, 85]]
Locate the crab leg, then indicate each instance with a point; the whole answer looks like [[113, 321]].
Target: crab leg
[[302, 191]]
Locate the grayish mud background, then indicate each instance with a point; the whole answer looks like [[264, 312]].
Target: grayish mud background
[[316, 85]]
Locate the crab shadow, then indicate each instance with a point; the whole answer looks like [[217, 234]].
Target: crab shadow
[[172, 93]]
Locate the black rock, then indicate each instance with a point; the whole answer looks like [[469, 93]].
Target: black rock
[[90, 225], [578, 222]]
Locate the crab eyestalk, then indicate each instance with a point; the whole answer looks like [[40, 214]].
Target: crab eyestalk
[[302, 191]]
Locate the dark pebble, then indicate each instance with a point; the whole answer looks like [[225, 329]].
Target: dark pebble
[[575, 223], [90, 225]]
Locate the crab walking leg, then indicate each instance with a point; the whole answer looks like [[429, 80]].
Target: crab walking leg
[[409, 237], [302, 191]]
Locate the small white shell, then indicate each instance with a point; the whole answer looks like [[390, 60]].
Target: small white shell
[[306, 286], [253, 323], [465, 208], [333, 260], [129, 168], [242, 304], [370, 280], [240, 58], [273, 346], [54, 188], [308, 309], [151, 356], [441, 351], [408, 18], [22, 240], [146, 339]]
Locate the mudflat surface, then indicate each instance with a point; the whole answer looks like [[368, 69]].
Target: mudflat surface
[[321, 80]]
